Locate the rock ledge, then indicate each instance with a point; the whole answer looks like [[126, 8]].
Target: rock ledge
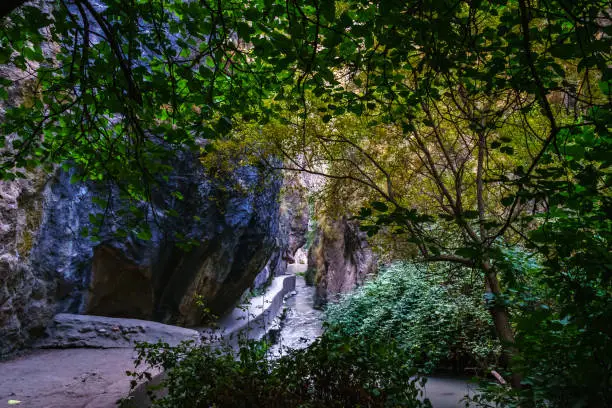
[[72, 330]]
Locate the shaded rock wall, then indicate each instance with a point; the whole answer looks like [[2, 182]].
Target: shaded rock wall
[[339, 259], [47, 266], [294, 215], [293, 227], [26, 295], [230, 225]]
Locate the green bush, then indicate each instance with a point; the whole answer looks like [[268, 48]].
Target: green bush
[[563, 333], [434, 322], [335, 371]]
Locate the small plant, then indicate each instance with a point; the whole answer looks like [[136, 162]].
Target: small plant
[[207, 315]]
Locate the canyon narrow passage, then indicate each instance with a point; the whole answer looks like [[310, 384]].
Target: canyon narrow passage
[[302, 323]]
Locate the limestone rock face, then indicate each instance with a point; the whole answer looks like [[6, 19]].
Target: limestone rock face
[[339, 258], [210, 237], [26, 295], [206, 247], [294, 215], [293, 226], [229, 227], [293, 223]]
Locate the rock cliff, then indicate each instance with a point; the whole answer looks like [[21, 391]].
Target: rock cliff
[[209, 239], [211, 235], [293, 226], [339, 259], [26, 296]]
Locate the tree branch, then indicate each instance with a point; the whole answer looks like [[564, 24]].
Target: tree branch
[[7, 6]]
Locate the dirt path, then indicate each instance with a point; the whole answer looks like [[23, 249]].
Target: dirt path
[[70, 378]]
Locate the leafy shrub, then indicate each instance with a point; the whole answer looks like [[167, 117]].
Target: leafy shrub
[[335, 371], [433, 322], [563, 334]]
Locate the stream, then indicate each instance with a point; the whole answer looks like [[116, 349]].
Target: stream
[[302, 324]]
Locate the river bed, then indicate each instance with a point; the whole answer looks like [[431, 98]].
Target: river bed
[[302, 324]]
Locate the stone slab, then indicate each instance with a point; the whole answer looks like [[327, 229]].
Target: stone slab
[[73, 331]]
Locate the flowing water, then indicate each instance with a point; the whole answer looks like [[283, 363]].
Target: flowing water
[[302, 324]]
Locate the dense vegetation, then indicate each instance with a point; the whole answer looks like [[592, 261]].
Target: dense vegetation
[[335, 371], [437, 322], [475, 132]]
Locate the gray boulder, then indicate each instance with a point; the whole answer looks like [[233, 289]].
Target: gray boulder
[[71, 331]]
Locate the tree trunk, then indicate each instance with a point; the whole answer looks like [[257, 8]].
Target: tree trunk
[[501, 320]]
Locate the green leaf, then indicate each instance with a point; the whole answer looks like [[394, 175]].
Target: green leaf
[[466, 252], [379, 206], [328, 10], [470, 214], [507, 201], [144, 234], [365, 212]]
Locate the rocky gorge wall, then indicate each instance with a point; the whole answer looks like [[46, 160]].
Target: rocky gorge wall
[[26, 302], [47, 266], [26, 297], [293, 226], [339, 259]]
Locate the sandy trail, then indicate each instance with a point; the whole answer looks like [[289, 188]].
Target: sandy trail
[[69, 378]]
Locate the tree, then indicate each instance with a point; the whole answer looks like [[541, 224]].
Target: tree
[[478, 105], [114, 88]]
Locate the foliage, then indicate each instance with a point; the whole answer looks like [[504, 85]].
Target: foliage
[[334, 372], [563, 341], [433, 321], [567, 347]]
